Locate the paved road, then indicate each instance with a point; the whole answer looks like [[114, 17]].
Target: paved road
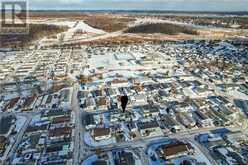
[[77, 126], [145, 142], [81, 150], [18, 137], [204, 151], [149, 140]]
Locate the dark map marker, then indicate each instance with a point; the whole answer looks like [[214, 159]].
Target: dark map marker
[[124, 101]]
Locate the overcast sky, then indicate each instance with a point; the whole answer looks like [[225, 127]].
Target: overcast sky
[[185, 5]]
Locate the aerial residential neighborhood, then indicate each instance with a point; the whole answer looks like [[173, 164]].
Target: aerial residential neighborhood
[[184, 75]]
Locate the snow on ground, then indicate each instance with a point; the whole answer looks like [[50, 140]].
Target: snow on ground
[[179, 160], [107, 61], [20, 122], [90, 160], [151, 151], [225, 151], [113, 66], [81, 26], [189, 92], [91, 142], [106, 120], [238, 95], [122, 72], [84, 30], [69, 24], [111, 158], [75, 26], [199, 156], [136, 158]]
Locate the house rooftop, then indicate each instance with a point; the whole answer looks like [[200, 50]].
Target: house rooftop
[[61, 119], [60, 132], [146, 125], [175, 149], [101, 131]]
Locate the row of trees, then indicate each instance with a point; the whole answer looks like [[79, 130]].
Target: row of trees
[[164, 28], [36, 31]]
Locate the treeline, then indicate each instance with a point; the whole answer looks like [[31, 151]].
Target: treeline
[[164, 28], [217, 21], [108, 23], [36, 31], [226, 22]]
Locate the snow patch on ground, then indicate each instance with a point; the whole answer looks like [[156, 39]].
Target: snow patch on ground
[[199, 156], [238, 95], [81, 26], [76, 26], [151, 151], [90, 160], [20, 122], [91, 142]]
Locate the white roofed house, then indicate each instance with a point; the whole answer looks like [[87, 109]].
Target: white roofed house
[[150, 111], [139, 100], [118, 115], [201, 91], [202, 119], [186, 120]]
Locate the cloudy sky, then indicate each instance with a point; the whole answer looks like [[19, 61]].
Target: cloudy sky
[[185, 5]]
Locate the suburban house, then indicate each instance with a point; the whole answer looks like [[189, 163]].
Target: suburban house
[[150, 128], [170, 151], [101, 133]]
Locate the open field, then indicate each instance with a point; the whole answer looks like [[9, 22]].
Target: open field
[[105, 21], [106, 28]]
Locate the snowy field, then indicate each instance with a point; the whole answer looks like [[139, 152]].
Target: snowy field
[[74, 26]]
